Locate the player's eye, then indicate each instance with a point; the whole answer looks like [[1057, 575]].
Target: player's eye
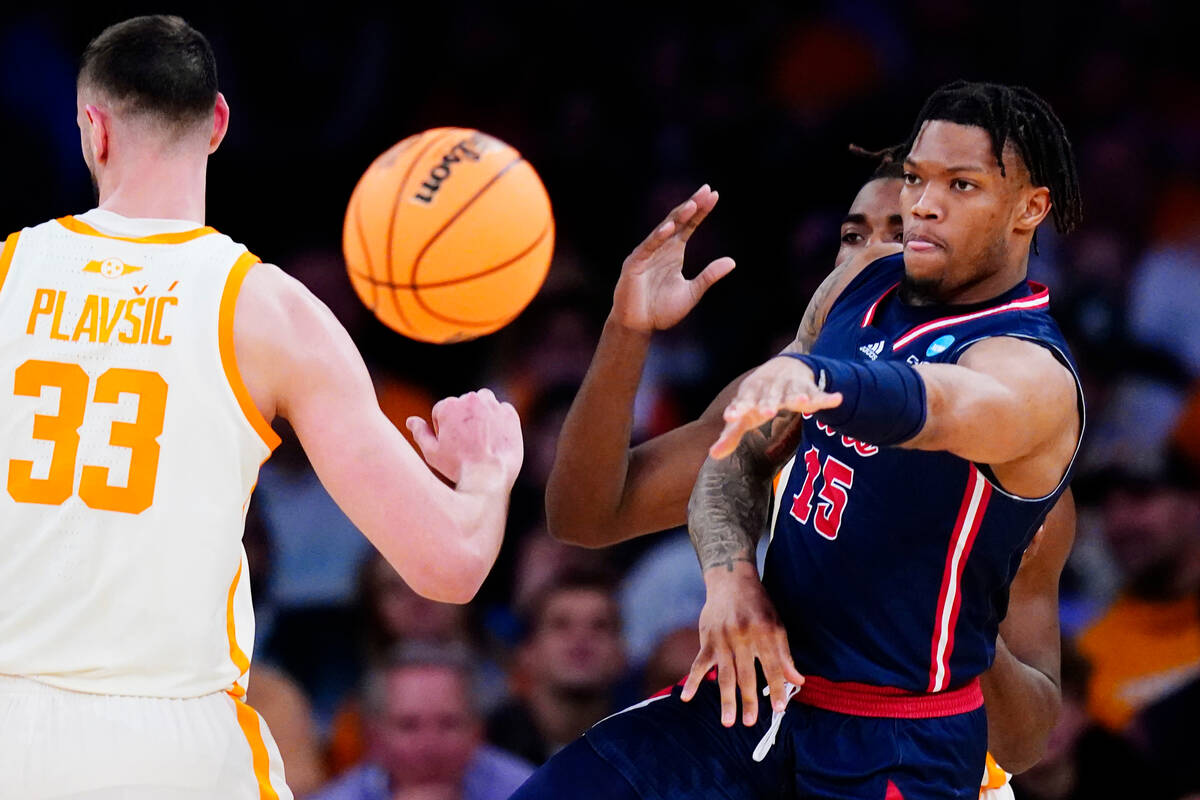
[[910, 179], [898, 236], [852, 238], [961, 185]]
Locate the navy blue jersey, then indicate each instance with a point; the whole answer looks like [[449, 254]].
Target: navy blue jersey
[[891, 567]]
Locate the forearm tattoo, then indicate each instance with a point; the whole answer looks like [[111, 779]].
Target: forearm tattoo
[[729, 505]]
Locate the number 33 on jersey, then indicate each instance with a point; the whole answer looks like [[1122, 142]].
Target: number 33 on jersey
[[130, 448]]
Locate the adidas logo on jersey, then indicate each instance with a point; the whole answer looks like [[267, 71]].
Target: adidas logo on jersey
[[110, 267], [872, 351]]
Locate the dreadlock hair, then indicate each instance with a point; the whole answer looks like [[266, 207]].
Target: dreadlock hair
[[1014, 114], [889, 162]]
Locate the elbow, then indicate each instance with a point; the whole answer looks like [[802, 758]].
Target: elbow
[[455, 580], [566, 524], [1016, 754]]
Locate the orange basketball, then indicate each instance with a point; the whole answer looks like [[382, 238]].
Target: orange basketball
[[448, 235]]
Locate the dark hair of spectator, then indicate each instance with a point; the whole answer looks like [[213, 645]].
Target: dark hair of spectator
[[569, 580], [155, 65], [1014, 114]]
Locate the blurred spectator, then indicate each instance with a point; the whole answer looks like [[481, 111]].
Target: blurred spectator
[[1147, 644], [393, 615], [1083, 761], [424, 735], [288, 714], [566, 670], [1165, 290]]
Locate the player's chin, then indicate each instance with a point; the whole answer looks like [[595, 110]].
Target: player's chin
[[924, 262]]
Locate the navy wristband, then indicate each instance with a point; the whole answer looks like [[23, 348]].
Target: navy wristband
[[883, 402]]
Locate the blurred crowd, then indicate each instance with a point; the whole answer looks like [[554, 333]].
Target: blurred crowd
[[375, 692]]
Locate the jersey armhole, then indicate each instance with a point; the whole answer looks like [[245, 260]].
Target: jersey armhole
[[229, 296], [6, 256], [1062, 358]]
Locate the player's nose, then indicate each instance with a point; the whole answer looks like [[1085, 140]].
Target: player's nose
[[926, 206]]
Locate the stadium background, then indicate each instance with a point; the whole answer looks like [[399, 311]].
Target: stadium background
[[624, 110]]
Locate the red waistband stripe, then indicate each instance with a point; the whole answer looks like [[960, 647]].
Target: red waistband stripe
[[862, 700]]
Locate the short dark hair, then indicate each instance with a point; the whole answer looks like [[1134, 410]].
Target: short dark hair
[[889, 162], [572, 579], [156, 65], [1014, 114]]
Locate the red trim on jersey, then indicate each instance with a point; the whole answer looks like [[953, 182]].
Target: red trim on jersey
[[871, 311], [893, 793], [1039, 299], [962, 539], [864, 700]]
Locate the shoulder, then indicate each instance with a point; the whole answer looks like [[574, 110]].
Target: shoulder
[[499, 771], [1022, 361], [274, 306]]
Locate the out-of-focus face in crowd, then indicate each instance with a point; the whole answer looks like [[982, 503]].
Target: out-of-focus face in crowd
[[425, 730], [404, 615], [576, 643], [1150, 529]]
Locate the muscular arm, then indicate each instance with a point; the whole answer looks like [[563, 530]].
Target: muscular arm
[[299, 363], [1008, 403], [601, 491], [1022, 690], [726, 514]]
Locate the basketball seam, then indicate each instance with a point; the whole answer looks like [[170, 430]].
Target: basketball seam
[[465, 278], [416, 289], [395, 207]]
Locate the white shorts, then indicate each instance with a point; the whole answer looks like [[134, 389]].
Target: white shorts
[[61, 745]]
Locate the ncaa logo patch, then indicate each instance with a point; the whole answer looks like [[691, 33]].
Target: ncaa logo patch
[[939, 345]]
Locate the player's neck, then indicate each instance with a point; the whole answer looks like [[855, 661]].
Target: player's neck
[[155, 188]]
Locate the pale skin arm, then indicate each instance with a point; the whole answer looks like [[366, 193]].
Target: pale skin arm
[[299, 363]]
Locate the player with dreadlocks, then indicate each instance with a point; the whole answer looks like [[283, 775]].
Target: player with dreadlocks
[[941, 418]]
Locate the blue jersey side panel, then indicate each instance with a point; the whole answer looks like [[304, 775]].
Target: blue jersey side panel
[[891, 567]]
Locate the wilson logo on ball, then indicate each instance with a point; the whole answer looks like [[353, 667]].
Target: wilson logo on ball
[[449, 259], [467, 148]]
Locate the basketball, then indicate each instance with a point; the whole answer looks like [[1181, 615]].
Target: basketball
[[448, 235]]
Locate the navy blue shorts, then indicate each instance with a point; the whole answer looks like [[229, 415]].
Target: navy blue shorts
[[666, 749]]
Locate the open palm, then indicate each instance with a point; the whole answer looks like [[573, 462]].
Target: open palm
[[652, 293]]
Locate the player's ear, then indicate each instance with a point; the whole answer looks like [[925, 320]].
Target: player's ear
[[98, 131], [1034, 207], [220, 123]]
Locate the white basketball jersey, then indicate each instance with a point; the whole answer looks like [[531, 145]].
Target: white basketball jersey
[[129, 447]]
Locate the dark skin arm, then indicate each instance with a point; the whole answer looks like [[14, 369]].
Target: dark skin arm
[[1022, 689], [601, 492]]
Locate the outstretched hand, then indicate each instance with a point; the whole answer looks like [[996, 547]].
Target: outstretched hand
[[782, 384], [652, 293]]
